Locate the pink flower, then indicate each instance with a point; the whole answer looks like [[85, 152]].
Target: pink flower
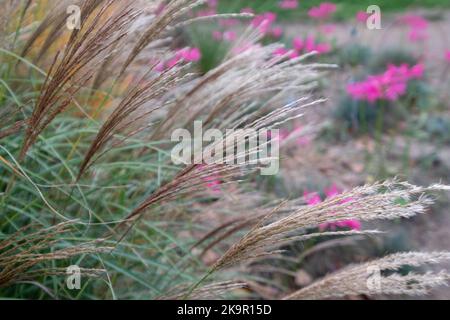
[[323, 11], [309, 44], [277, 32], [414, 21], [447, 55], [264, 21], [298, 44], [332, 191], [186, 54], [172, 62], [280, 51], [217, 35], [229, 36], [160, 67], [390, 85], [313, 198], [418, 27], [270, 17], [417, 71], [362, 16], [322, 48], [395, 91], [189, 54], [417, 35], [288, 4]]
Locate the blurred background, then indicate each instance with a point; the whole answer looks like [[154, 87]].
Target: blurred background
[[387, 113]]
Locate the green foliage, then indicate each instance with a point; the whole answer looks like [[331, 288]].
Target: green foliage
[[395, 56], [213, 52], [354, 55], [346, 9]]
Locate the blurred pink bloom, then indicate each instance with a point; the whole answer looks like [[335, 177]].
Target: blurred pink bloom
[[418, 27], [390, 85], [417, 35], [270, 17], [280, 51], [288, 4], [277, 32], [447, 55], [264, 21], [332, 191], [414, 21], [417, 71], [229, 36], [298, 44], [187, 54], [217, 35], [160, 67], [352, 224], [322, 48], [362, 16], [313, 198], [309, 44], [323, 11]]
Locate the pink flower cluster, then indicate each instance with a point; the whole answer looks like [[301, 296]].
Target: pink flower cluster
[[418, 27], [362, 16], [301, 45], [313, 198], [310, 44], [265, 23], [182, 55], [228, 35], [323, 11], [389, 85], [288, 4]]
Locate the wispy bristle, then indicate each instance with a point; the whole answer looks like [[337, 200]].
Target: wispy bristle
[[360, 279]]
